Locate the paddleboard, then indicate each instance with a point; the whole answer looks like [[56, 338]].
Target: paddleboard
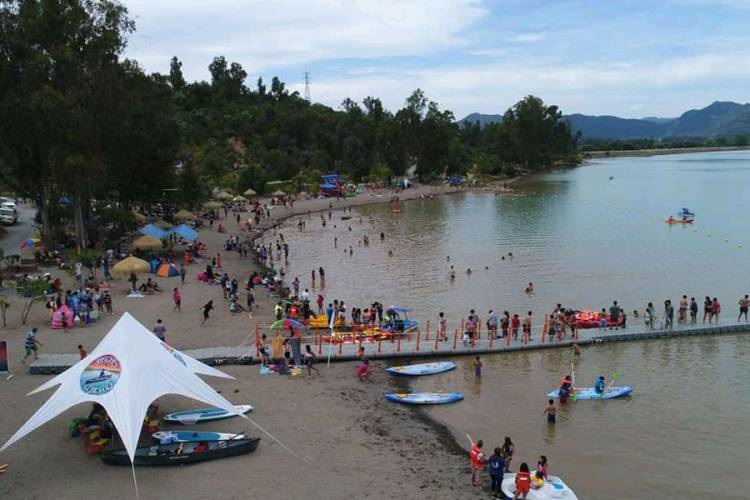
[[204, 414], [585, 393], [553, 487], [424, 398], [422, 368], [194, 436]]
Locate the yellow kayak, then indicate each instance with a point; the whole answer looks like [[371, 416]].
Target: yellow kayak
[[317, 322]]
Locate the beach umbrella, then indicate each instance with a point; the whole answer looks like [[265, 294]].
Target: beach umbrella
[[125, 373], [279, 192], [250, 192], [184, 215], [286, 323], [147, 243], [185, 232], [239, 197], [139, 217], [224, 196], [212, 205], [153, 231], [131, 265]]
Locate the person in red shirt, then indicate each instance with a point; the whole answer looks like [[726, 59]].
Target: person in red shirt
[[523, 482], [514, 324], [477, 459], [363, 370]]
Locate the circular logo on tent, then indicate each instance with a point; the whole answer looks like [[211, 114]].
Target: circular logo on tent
[[101, 375]]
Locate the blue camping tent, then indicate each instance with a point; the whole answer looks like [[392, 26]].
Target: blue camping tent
[[185, 232], [153, 231]]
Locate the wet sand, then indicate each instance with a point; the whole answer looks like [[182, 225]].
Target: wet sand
[[349, 441]]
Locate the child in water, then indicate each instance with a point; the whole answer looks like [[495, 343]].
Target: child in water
[[550, 411], [477, 367]]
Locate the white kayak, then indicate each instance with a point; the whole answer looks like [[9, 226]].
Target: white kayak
[[204, 414], [424, 398], [553, 487], [422, 368], [586, 393]]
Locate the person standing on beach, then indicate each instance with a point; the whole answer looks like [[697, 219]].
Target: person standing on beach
[[477, 460], [183, 273], [496, 466], [206, 311], [322, 274], [160, 330], [744, 302], [31, 345], [312, 278], [177, 298], [310, 361]]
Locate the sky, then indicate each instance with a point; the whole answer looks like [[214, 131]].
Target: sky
[[629, 58]]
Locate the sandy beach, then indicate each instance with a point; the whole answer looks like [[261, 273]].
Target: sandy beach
[[347, 440]]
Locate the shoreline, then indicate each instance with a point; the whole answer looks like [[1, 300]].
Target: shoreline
[[657, 152]]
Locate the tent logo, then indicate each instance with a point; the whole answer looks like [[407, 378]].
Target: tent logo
[[176, 355], [101, 375]]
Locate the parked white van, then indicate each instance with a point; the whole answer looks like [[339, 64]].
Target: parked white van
[[8, 214]]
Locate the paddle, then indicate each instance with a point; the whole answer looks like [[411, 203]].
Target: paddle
[[615, 376]]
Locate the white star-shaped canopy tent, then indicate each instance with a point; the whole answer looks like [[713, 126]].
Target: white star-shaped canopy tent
[[125, 373]]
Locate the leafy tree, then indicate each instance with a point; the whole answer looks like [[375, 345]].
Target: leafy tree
[[176, 80]]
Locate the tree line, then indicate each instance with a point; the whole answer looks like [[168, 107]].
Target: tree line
[[88, 134]]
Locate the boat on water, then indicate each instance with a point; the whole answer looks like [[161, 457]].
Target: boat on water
[[593, 319], [424, 398], [182, 453], [422, 368], [190, 436], [397, 320], [685, 220], [204, 414], [552, 487], [588, 393]]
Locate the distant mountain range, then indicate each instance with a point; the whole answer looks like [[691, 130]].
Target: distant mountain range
[[716, 120]]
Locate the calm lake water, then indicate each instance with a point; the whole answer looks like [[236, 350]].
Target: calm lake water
[[584, 240]]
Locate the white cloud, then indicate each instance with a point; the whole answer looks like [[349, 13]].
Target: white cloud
[[527, 38], [262, 34], [616, 88]]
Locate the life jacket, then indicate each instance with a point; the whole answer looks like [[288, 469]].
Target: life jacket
[[475, 455], [523, 481]]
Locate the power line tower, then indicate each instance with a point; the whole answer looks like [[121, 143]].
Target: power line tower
[[307, 86]]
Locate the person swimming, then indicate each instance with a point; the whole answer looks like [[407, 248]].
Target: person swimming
[[530, 288], [599, 385]]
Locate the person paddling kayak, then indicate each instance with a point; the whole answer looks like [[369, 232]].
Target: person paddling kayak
[[599, 385], [566, 386]]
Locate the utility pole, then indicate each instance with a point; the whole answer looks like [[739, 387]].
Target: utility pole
[[307, 86]]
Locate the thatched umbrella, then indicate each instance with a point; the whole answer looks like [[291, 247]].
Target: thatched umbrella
[[139, 217], [131, 265], [147, 243], [212, 205], [279, 192], [224, 196], [184, 215], [239, 197], [250, 192]]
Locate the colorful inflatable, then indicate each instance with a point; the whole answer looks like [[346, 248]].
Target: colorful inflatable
[[593, 319], [320, 322], [62, 317]]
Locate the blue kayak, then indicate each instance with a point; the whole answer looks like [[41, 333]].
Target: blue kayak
[[194, 436], [586, 393], [424, 398], [204, 414], [422, 368]]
